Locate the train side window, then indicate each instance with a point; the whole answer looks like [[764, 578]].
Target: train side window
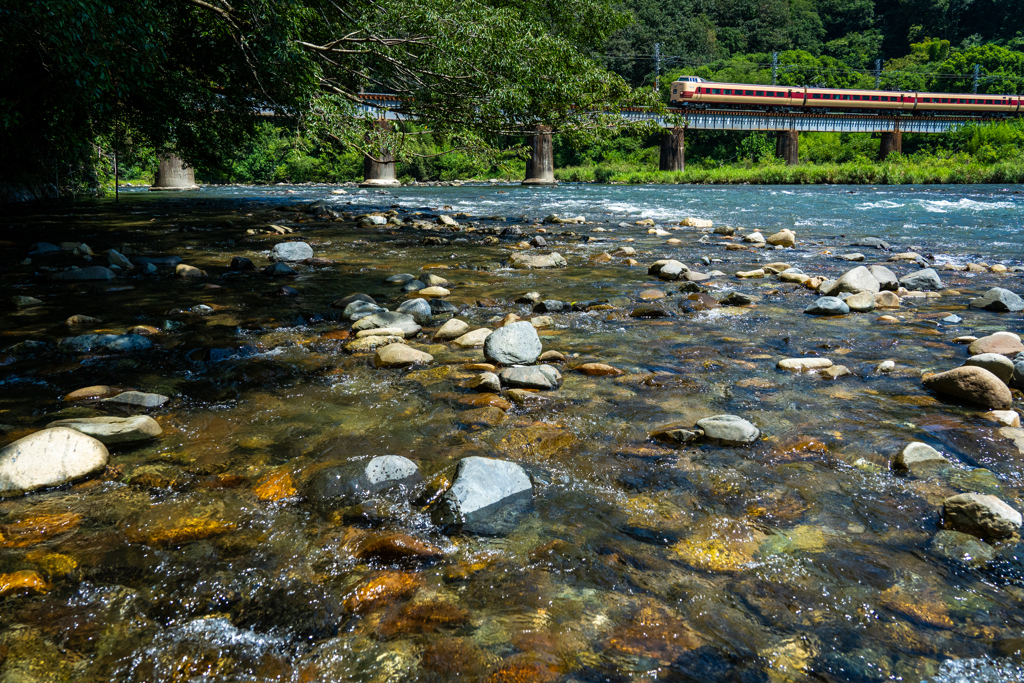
[[874, 98], [748, 93], [945, 100], [816, 96], [717, 91], [760, 93], [846, 97]]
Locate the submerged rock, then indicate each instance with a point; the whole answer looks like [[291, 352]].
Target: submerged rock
[[961, 547], [999, 299], [980, 515], [113, 431], [513, 344], [973, 385], [532, 260], [138, 398], [355, 482], [50, 457], [104, 342], [89, 273], [487, 496]]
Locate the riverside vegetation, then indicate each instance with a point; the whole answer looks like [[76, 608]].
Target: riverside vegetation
[[313, 434]]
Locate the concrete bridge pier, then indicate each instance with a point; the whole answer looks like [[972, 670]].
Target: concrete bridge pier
[[788, 147], [673, 150], [890, 142], [173, 176], [380, 171], [540, 167]]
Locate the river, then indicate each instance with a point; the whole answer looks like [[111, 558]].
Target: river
[[803, 556]]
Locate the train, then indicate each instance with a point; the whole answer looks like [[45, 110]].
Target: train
[[695, 92]]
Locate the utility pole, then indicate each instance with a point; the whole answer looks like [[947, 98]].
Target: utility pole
[[878, 73], [974, 87], [775, 67], [657, 67]]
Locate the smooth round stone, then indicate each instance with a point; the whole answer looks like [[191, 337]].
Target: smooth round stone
[[402, 321], [783, 238], [1006, 418], [861, 302], [400, 356], [926, 280], [432, 280], [419, 309], [828, 306], [400, 278], [598, 370], [89, 273], [50, 457], [973, 385], [885, 366], [750, 274], [651, 295], [887, 280], [803, 364], [452, 329], [434, 291], [543, 377], [485, 382], [474, 339], [999, 299], [381, 332], [853, 281], [413, 286], [1005, 343], [886, 299], [996, 363], [95, 391], [112, 431], [367, 344], [730, 430], [139, 399]]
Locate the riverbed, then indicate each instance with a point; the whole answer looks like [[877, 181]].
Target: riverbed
[[803, 556]]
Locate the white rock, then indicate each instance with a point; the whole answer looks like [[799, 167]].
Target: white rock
[[802, 364], [50, 457]]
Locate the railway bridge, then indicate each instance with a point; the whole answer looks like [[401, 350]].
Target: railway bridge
[[540, 166]]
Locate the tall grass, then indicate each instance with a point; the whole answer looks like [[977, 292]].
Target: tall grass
[[899, 172]]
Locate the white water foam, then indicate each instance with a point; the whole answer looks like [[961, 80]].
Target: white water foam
[[946, 206], [884, 204]]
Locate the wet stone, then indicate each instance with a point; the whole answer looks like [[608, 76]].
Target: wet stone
[[999, 299], [980, 515], [240, 263], [487, 497], [543, 377], [729, 430], [920, 459], [88, 273], [291, 251], [357, 481], [124, 343], [1005, 343], [400, 356], [513, 344], [48, 458], [961, 547], [973, 385], [112, 431], [998, 364], [926, 280], [139, 399]]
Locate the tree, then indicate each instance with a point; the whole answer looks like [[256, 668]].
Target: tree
[[201, 75]]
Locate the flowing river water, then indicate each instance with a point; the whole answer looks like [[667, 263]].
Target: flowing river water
[[801, 557]]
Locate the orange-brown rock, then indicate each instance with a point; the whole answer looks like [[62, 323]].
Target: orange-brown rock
[[485, 401], [25, 581], [275, 486], [36, 529], [599, 370], [381, 590], [336, 335], [479, 367], [483, 418], [396, 549], [424, 617], [521, 672], [97, 391], [167, 532], [799, 448], [453, 658], [654, 632], [144, 330]]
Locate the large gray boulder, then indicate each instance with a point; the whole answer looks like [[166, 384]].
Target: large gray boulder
[[513, 344], [487, 497], [50, 457], [853, 281], [291, 251], [419, 309], [104, 342], [667, 269], [999, 299], [980, 515], [729, 430], [114, 431], [355, 482], [887, 280], [925, 280], [89, 273], [543, 377]]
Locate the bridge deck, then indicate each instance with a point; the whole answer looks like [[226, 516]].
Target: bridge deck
[[389, 107]]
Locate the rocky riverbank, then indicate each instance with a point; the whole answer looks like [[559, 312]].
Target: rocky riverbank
[[337, 439]]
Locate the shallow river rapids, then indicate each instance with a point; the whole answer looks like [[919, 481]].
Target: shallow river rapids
[[804, 556]]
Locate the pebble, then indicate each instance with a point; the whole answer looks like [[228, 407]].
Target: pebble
[[400, 356], [923, 280], [919, 459], [474, 339], [750, 274], [452, 329], [885, 366], [543, 377], [828, 306], [434, 292], [551, 357], [138, 398], [367, 344], [1006, 418], [803, 364], [291, 251], [599, 370], [836, 371], [487, 381], [381, 332]]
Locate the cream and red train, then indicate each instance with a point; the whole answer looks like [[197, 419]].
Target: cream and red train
[[691, 90]]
